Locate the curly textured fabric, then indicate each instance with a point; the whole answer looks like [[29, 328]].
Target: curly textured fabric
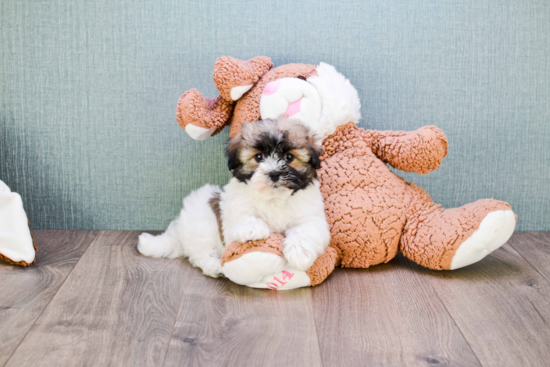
[[419, 151], [369, 207], [230, 72], [323, 266], [208, 113], [273, 245], [319, 271], [364, 201], [432, 235], [372, 213]]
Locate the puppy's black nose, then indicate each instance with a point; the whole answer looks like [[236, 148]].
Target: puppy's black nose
[[274, 175]]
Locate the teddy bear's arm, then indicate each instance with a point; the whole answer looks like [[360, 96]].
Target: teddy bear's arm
[[419, 151], [203, 117]]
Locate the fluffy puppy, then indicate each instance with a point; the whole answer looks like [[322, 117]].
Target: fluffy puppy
[[274, 189]]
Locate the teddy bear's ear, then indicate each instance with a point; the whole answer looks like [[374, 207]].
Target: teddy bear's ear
[[234, 77]]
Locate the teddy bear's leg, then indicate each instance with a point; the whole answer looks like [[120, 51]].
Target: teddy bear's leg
[[234, 77], [448, 239], [260, 264]]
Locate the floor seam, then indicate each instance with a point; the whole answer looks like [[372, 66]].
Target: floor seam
[[176, 317], [51, 299], [316, 330], [528, 262], [454, 322]]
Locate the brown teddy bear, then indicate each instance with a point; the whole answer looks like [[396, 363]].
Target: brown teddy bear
[[372, 212]]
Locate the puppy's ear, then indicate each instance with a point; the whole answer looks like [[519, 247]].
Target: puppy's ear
[[232, 151], [315, 151]]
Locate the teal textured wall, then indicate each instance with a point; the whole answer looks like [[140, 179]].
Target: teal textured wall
[[89, 90]]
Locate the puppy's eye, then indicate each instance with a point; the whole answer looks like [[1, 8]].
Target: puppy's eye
[[259, 157], [289, 158]]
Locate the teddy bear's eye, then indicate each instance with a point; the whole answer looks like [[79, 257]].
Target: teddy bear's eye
[[289, 158], [259, 157]]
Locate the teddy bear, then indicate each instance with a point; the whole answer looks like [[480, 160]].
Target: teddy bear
[[372, 212]]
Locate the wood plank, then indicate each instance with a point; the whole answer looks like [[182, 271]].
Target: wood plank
[[502, 307], [25, 292], [115, 308], [535, 249], [386, 316], [222, 323]]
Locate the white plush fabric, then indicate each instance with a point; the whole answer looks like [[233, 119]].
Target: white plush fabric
[[291, 90], [265, 270], [15, 236], [339, 99], [328, 100], [198, 133], [494, 230], [237, 92]]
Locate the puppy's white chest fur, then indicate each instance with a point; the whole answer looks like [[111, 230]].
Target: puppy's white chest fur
[[278, 209]]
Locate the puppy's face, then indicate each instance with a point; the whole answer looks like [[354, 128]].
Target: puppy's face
[[274, 156]]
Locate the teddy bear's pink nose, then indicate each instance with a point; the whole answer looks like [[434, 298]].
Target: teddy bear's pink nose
[[293, 108], [271, 87]]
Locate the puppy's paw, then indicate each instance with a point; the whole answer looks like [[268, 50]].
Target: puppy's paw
[[251, 232], [211, 267], [298, 253]]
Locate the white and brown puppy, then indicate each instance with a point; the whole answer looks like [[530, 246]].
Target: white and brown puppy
[[274, 189]]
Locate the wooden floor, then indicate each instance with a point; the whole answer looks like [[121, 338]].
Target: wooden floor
[[91, 299]]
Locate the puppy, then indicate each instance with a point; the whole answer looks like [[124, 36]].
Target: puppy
[[274, 189]]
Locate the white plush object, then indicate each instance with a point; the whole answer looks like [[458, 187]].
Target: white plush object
[[198, 133], [15, 236], [494, 230], [237, 92], [341, 103], [265, 270], [323, 102], [294, 98]]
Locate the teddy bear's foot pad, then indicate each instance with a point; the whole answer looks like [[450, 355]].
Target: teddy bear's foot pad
[[494, 230], [197, 132], [265, 270]]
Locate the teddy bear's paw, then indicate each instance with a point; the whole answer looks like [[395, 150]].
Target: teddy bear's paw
[[198, 133], [250, 232], [298, 254], [234, 77], [202, 117], [265, 270], [494, 230]]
